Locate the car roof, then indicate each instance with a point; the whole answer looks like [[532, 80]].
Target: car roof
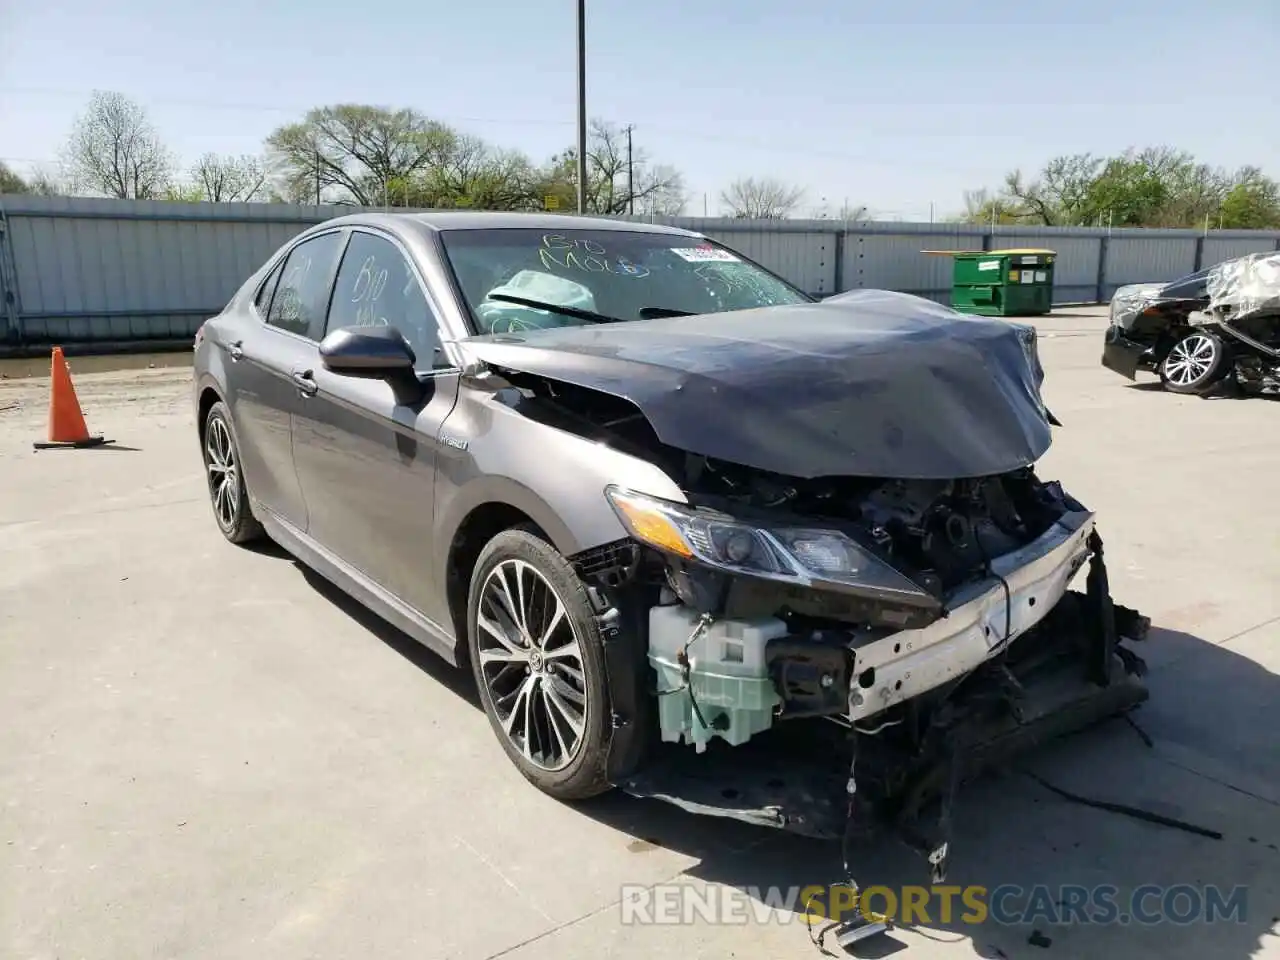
[[500, 220]]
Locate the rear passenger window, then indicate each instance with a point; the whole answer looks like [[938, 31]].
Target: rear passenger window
[[303, 292], [377, 286], [263, 300]]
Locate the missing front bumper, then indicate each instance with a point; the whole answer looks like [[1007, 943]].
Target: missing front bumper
[[983, 620], [1124, 356], [795, 779], [1067, 672]]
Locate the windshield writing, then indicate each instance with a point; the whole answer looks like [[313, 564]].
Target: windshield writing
[[613, 273]]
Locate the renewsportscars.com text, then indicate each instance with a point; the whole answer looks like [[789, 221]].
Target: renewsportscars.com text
[[1147, 904]]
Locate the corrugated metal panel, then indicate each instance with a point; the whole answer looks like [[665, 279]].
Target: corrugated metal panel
[[1075, 270], [1139, 259], [1217, 249], [807, 260], [897, 261], [84, 271], [95, 269], [127, 327]]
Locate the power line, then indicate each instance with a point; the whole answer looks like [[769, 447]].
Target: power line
[[296, 110]]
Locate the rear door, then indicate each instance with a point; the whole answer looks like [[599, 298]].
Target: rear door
[[366, 462], [265, 397]]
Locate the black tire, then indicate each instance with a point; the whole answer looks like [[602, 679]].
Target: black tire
[[582, 771], [229, 500], [1196, 364]]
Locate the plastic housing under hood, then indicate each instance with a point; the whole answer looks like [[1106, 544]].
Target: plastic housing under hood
[[873, 383]]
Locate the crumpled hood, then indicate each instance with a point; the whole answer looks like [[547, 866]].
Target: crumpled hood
[[1130, 300], [871, 383]]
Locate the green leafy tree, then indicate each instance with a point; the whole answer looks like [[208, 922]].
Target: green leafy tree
[[1127, 192], [1252, 202], [984, 207], [1153, 187], [353, 153], [183, 193], [10, 182], [1059, 196]]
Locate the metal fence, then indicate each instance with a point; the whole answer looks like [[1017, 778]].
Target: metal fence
[[119, 274]]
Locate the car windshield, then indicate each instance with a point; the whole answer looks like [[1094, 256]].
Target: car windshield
[[600, 276]]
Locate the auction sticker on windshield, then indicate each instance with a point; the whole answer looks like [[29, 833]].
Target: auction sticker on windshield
[[704, 254]]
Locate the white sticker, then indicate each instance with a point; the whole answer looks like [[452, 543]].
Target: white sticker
[[1041, 276], [1028, 276], [1032, 260], [989, 265], [704, 255]]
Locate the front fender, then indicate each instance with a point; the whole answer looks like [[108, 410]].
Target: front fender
[[494, 454]]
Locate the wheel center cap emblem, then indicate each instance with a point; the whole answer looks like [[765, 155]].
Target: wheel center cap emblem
[[535, 661]]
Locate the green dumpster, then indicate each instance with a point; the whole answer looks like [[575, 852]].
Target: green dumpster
[[1002, 283]]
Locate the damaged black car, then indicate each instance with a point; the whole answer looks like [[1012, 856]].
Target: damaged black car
[[1218, 327], [699, 535]]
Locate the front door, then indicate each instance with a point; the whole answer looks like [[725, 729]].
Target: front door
[[263, 352], [366, 462]]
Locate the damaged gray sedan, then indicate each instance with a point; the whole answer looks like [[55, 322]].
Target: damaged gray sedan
[[698, 535]]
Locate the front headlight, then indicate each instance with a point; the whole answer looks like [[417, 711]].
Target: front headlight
[[796, 555]]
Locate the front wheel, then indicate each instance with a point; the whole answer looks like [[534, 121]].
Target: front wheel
[[538, 659], [227, 492], [1195, 364]]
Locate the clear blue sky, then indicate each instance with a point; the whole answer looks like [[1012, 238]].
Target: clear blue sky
[[896, 105]]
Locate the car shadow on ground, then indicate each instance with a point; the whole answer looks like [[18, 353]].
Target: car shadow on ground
[[1195, 755], [1032, 851], [1224, 393], [457, 680]]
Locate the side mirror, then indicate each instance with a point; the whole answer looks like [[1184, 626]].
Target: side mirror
[[376, 352]]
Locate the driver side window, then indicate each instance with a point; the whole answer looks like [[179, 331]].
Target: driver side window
[[377, 286]]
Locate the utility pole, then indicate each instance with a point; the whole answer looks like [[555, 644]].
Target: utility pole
[[582, 106], [631, 175]]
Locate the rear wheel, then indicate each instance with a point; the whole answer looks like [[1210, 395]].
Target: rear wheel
[[227, 492], [1195, 364], [538, 659]]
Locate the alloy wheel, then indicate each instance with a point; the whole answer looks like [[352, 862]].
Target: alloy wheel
[[531, 664], [1191, 360], [224, 472]]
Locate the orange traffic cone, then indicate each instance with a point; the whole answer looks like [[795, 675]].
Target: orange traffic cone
[[66, 422]]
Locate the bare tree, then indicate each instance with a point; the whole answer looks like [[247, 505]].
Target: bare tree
[[847, 212], [621, 177], [44, 183], [984, 207], [114, 150], [353, 153], [763, 199], [229, 179]]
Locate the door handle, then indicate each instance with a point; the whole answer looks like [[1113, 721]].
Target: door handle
[[236, 350], [303, 381]]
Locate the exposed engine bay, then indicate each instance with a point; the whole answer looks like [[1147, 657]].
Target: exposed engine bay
[[865, 592], [837, 651]]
